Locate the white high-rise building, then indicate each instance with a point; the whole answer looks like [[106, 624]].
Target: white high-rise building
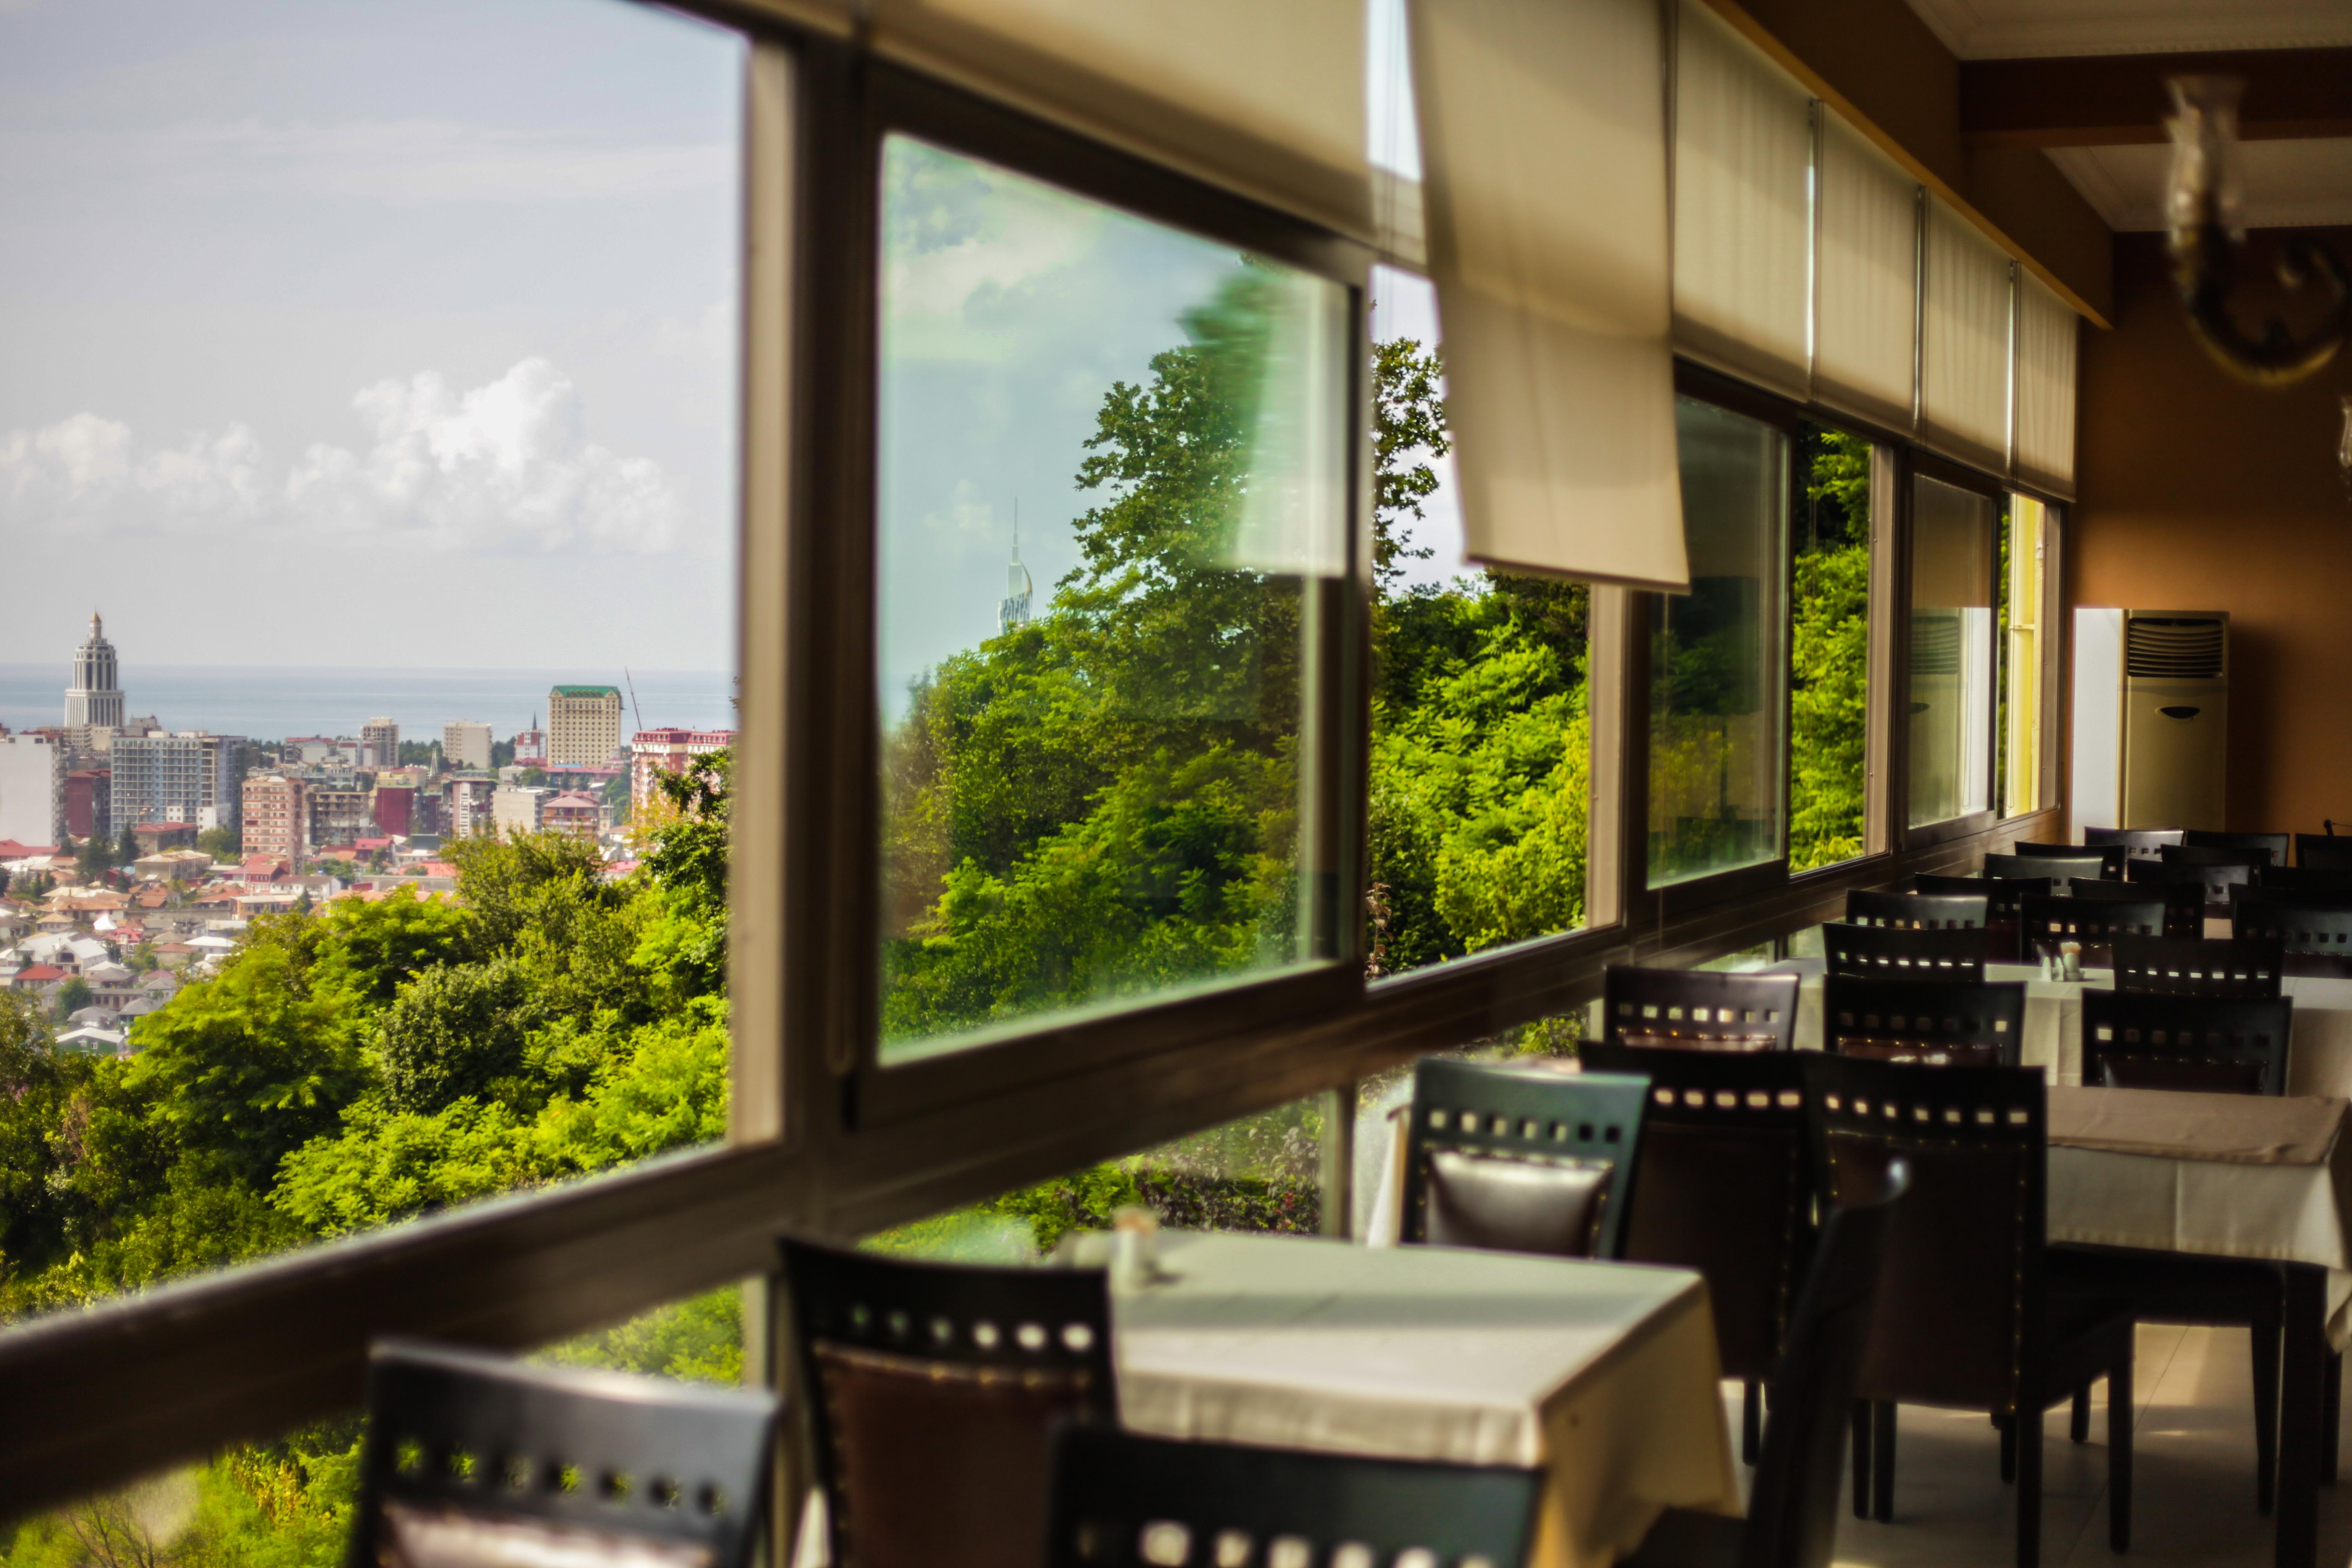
[[380, 743], [466, 745], [94, 700], [32, 789]]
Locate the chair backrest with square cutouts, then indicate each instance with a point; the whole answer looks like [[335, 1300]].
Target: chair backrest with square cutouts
[[477, 1457], [2138, 843], [2323, 852], [1521, 1158], [2217, 1045], [1934, 1025], [2000, 895], [2174, 966], [1727, 1185], [2272, 843], [2090, 925], [2111, 855], [1699, 1009], [1960, 1294], [1916, 911], [1891, 952], [2055, 868], [2183, 899], [934, 1391], [1122, 1500], [2314, 930]]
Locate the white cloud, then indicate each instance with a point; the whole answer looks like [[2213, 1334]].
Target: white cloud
[[500, 466], [966, 513]]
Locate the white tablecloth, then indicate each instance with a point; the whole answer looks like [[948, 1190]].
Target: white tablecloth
[[2293, 1213], [2319, 1059], [1603, 1374]]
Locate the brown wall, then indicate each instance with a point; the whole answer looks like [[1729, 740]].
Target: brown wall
[[2199, 491], [1887, 62]]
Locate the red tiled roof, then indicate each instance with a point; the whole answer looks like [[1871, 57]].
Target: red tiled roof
[[40, 972]]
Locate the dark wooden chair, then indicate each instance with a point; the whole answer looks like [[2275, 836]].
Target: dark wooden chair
[[2171, 966], [2220, 868], [1964, 1318], [2111, 855], [2184, 900], [1522, 1158], [2323, 852], [1699, 1009], [1915, 911], [1120, 1500], [2054, 868], [475, 1457], [1894, 953], [2273, 844], [2217, 1045], [2138, 843], [953, 1374], [1792, 1512], [2003, 933], [1727, 1188], [1923, 1023], [2092, 924], [2315, 931]]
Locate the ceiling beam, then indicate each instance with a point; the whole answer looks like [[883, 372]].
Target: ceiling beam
[[2107, 100]]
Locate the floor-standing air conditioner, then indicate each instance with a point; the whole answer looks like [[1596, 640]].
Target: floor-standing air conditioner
[[2151, 718]]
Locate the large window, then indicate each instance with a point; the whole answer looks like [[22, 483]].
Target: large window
[[1951, 651], [1113, 458], [348, 346], [1828, 648], [1716, 663]]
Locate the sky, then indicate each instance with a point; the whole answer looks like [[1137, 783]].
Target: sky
[[367, 335], [403, 335]]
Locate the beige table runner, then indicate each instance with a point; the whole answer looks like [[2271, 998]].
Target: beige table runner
[[1604, 1375]]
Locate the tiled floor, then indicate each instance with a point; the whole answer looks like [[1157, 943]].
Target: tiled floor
[[2193, 1498]]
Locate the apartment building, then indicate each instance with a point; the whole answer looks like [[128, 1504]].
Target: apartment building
[[157, 778], [32, 788], [380, 743], [277, 821], [336, 818], [465, 744], [583, 725], [652, 752], [516, 809]]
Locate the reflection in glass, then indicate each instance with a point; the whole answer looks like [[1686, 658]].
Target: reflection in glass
[[1828, 648], [1951, 651], [1715, 654], [1093, 783], [2023, 536]]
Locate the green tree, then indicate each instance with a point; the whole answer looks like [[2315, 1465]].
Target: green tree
[[72, 996], [126, 848], [220, 843], [1830, 654]]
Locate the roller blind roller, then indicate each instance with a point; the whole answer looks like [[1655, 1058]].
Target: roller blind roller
[[1263, 97], [1543, 144], [2046, 344], [1743, 218], [1964, 341], [1866, 278]]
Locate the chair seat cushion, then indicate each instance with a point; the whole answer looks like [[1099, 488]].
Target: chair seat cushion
[[1683, 1538], [1507, 1204]]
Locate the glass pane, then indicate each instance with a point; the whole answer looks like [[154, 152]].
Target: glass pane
[[696, 1340], [1951, 651], [1262, 1173], [1482, 735], [2024, 546], [434, 320], [1828, 648], [1113, 462], [1715, 654]]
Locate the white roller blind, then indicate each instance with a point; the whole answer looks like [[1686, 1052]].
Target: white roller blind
[[1866, 278], [1743, 219], [2046, 343], [1263, 97], [1543, 143], [1964, 341]]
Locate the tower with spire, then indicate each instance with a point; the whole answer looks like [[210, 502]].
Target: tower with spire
[[94, 700], [1013, 610]]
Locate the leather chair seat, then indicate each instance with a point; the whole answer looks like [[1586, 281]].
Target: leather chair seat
[[1503, 1204]]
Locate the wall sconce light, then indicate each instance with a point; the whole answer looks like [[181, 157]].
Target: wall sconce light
[[2204, 206]]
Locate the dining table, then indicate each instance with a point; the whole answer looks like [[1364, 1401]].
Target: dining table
[[2320, 1053], [2223, 1175]]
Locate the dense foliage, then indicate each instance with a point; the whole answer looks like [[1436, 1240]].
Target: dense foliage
[[1828, 653]]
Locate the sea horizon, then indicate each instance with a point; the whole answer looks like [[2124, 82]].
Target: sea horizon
[[271, 703]]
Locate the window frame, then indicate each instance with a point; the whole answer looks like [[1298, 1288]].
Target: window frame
[[106, 1395], [1922, 464]]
